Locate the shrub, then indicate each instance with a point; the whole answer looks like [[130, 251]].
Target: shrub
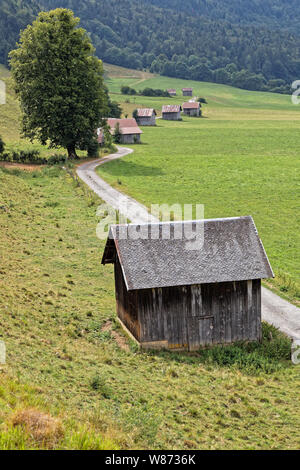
[[44, 429], [254, 357], [57, 159], [25, 156]]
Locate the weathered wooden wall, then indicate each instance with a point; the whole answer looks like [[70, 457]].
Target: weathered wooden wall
[[130, 138], [192, 316], [127, 307], [171, 116], [192, 112], [147, 121]]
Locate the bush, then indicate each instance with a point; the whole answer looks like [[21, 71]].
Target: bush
[[24, 156], [57, 159], [267, 356]]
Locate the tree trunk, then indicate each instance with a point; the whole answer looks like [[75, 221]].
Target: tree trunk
[[72, 152]]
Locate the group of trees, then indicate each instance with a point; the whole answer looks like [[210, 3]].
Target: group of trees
[[126, 90], [251, 44], [192, 39]]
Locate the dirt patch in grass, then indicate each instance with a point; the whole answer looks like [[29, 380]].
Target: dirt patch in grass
[[42, 427], [119, 339], [21, 166]]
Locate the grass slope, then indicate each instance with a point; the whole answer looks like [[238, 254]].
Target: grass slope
[[241, 159], [55, 304]]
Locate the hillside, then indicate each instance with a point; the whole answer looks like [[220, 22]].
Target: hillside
[[275, 14], [57, 304], [250, 45]]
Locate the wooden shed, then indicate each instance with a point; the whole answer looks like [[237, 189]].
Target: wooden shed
[[187, 91], [171, 297], [191, 108], [171, 112], [130, 131], [172, 92], [146, 117]]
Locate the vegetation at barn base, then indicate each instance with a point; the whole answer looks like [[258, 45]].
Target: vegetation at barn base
[[57, 317], [74, 102]]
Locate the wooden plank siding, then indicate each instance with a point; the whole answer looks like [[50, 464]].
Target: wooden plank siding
[[188, 317]]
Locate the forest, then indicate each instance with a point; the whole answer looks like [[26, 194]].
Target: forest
[[247, 44]]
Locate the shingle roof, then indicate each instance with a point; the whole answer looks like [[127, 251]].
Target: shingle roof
[[171, 108], [145, 112], [191, 105], [171, 90], [232, 251], [187, 89], [127, 126]]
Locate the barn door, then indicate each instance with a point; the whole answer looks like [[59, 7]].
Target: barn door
[[200, 332]]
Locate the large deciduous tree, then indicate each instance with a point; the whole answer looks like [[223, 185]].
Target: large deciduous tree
[[59, 82]]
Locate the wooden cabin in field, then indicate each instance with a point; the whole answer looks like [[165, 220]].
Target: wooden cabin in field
[[171, 112], [129, 130], [191, 109], [172, 92], [176, 293], [187, 91], [146, 117]]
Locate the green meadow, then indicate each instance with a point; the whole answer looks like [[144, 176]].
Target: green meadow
[[57, 317]]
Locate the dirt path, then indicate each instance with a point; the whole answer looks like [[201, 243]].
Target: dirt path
[[275, 310]]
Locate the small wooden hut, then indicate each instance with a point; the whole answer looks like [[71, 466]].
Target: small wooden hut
[[192, 108], [129, 130], [172, 92], [171, 112], [146, 117], [187, 91], [174, 295]]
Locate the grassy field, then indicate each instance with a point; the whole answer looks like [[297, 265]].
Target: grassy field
[[242, 158], [57, 317], [88, 381]]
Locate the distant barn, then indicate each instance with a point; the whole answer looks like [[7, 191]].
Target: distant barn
[[171, 112], [146, 117], [187, 91], [172, 92], [191, 109], [129, 130], [171, 297]]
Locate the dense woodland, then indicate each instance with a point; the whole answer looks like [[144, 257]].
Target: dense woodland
[[251, 44]]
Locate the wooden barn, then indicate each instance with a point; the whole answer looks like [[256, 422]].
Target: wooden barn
[[130, 131], [191, 109], [172, 92], [187, 91], [146, 117], [171, 112], [170, 296]]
